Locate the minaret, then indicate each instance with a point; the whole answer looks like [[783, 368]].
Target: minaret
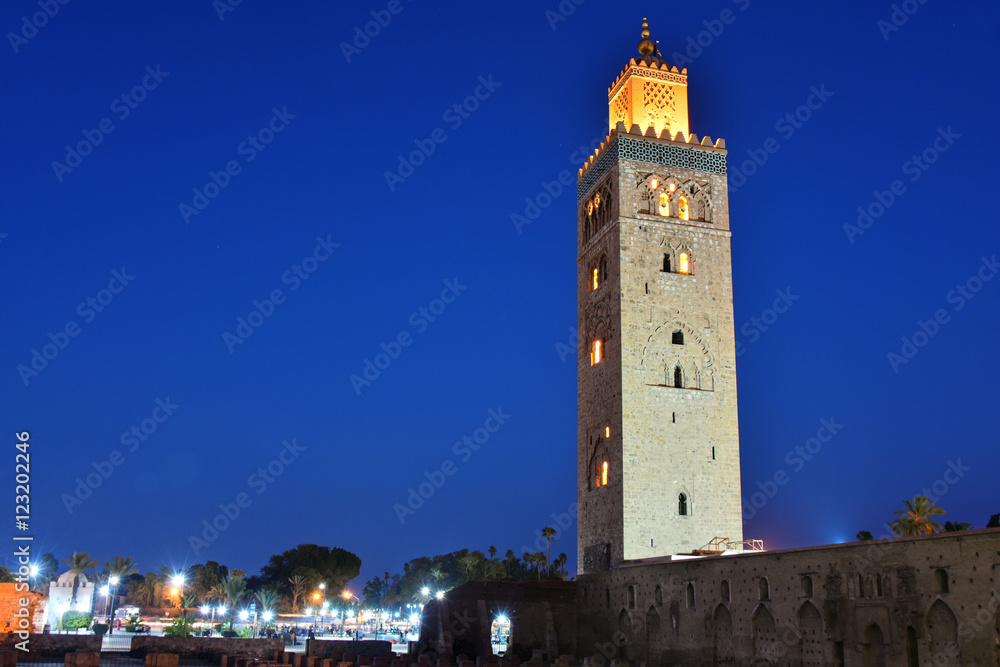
[[658, 452]]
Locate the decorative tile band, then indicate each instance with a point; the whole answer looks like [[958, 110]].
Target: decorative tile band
[[647, 151]]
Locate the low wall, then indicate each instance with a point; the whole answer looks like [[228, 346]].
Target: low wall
[[54, 645], [324, 648], [202, 647]]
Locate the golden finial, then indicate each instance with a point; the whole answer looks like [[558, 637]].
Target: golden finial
[[646, 45]]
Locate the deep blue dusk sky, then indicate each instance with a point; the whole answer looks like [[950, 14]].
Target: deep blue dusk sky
[[887, 96]]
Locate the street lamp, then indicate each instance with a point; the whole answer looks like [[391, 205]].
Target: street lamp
[[114, 598]]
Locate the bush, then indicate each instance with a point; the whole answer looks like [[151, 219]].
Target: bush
[[230, 634], [75, 620]]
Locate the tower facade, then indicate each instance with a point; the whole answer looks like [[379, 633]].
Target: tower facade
[[658, 442]]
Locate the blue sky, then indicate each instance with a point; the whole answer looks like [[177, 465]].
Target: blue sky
[[227, 337]]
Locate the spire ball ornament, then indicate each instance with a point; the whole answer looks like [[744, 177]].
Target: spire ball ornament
[[646, 45]]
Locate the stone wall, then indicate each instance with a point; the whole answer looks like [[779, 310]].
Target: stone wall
[[203, 647], [11, 608], [934, 597], [53, 645], [542, 615]]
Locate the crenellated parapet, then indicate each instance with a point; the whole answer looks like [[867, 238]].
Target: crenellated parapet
[[653, 68], [670, 149]]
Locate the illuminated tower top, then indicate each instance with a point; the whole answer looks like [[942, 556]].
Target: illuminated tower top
[[649, 92]]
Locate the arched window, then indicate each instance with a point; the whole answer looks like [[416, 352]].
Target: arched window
[[940, 581], [658, 596], [878, 585], [678, 377], [664, 207], [861, 586], [607, 598], [596, 352], [594, 280], [690, 595], [807, 586], [682, 505], [666, 262], [631, 597], [683, 263], [725, 590], [677, 338], [604, 268], [682, 208], [764, 589], [604, 473]]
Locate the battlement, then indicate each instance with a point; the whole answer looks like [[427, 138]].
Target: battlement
[[675, 150], [654, 68]]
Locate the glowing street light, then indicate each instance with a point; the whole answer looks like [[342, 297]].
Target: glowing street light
[[425, 591], [439, 595]]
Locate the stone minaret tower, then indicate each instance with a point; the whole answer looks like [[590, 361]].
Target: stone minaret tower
[[658, 455]]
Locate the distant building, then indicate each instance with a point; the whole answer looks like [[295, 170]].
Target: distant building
[[61, 597]]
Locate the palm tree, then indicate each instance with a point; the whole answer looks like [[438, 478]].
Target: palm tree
[[548, 533], [119, 568], [493, 552], [233, 589], [268, 599], [298, 587], [539, 558], [237, 574], [915, 518], [79, 563]]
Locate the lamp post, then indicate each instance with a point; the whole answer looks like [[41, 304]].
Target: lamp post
[[114, 581], [179, 583]]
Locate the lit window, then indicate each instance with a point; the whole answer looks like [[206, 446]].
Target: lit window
[[604, 474], [664, 208], [595, 283], [590, 208], [607, 431], [596, 354], [654, 183], [683, 263], [683, 208], [597, 200], [672, 187]]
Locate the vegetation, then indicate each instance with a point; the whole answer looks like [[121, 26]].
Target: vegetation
[[864, 536], [950, 527], [915, 519], [75, 620], [393, 591], [994, 521]]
